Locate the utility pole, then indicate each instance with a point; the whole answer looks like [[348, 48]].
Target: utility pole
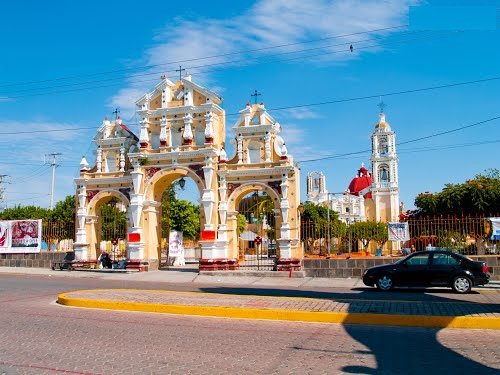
[[53, 164], [2, 190]]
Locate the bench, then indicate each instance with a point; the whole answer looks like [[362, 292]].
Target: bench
[[71, 265]]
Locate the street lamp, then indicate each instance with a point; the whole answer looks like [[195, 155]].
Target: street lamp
[[182, 183]]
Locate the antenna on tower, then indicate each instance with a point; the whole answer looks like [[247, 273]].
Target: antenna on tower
[[52, 162], [381, 105]]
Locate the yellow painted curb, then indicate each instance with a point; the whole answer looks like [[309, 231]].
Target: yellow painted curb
[[290, 315]]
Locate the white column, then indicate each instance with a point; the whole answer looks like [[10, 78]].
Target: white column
[[222, 230], [240, 149], [122, 159], [144, 136], [209, 130], [187, 135], [81, 245], [163, 131], [267, 147], [208, 197], [99, 159], [136, 247]]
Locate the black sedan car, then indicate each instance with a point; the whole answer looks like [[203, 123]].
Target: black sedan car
[[429, 268]]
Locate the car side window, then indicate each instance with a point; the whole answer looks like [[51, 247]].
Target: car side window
[[445, 260], [418, 260]]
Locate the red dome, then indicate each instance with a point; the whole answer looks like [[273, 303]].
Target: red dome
[[360, 182]]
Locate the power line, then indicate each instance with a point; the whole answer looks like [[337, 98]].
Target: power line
[[401, 143], [205, 57], [335, 101], [225, 64], [213, 64]]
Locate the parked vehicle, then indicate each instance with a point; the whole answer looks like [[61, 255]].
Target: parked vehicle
[[429, 268]]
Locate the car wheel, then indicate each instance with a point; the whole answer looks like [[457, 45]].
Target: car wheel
[[384, 282], [461, 284]]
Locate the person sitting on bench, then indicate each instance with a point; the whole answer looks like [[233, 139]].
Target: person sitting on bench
[[105, 260]]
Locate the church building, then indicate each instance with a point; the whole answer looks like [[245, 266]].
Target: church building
[[371, 195]]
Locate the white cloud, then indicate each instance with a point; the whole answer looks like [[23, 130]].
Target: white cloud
[[298, 113], [188, 41]]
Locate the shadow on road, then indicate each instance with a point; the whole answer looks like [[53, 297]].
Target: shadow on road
[[397, 350]]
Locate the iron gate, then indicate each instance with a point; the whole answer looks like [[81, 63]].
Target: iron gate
[[258, 248]]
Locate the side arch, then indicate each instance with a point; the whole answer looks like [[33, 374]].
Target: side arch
[[93, 228]]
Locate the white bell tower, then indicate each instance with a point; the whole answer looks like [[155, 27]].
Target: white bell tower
[[385, 185]]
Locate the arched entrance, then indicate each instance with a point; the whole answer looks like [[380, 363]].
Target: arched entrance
[[257, 219], [108, 224], [167, 213]]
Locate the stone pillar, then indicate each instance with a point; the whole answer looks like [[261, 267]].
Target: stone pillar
[[99, 159], [209, 129], [81, 245], [122, 159], [208, 197], [239, 148], [135, 239], [187, 135], [144, 136], [222, 230], [151, 210], [285, 240], [267, 147], [163, 132]]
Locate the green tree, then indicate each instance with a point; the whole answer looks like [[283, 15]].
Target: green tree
[[241, 223], [366, 231], [185, 217], [318, 214], [25, 212], [479, 196]]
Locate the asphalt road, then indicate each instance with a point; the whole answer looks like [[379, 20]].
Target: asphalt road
[[38, 336]]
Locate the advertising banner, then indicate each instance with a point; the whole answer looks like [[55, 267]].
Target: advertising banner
[[398, 231], [20, 236], [175, 247]]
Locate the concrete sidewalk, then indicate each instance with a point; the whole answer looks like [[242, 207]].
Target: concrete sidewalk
[[191, 275]]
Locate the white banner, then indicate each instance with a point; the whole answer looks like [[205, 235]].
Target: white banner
[[398, 231], [175, 247], [20, 236], [495, 228]]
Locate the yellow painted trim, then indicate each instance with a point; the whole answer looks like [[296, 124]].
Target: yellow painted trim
[[290, 315]]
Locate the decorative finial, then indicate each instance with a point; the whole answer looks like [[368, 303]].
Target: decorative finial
[[255, 95], [381, 105]]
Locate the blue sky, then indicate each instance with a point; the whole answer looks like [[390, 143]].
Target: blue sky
[[107, 49]]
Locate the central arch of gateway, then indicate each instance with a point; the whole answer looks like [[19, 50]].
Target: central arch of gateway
[[182, 134]]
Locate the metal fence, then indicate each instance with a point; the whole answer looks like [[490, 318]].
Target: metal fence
[[465, 235], [58, 235]]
